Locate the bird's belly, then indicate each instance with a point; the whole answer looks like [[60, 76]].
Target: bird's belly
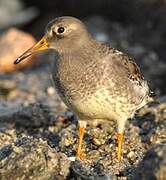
[[100, 105]]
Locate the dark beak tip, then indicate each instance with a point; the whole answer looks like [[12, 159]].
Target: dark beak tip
[[15, 62]]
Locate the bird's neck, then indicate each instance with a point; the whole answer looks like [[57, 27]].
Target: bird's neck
[[83, 53]]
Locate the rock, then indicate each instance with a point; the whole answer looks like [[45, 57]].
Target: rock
[[82, 171], [131, 155], [30, 158], [34, 115], [5, 152], [152, 123], [6, 86], [153, 165], [12, 44]]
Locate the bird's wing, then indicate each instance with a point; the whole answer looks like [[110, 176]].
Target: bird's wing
[[133, 71], [125, 64], [128, 71]]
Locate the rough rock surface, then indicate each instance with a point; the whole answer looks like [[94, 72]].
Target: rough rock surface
[[32, 158], [153, 164]]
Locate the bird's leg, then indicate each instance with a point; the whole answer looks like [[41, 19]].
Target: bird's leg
[[120, 138], [82, 126]]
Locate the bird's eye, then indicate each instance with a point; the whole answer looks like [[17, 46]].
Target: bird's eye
[[60, 30]]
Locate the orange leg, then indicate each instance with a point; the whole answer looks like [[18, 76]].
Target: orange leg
[[120, 139], [81, 136]]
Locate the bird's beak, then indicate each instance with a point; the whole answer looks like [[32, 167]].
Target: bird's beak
[[39, 46]]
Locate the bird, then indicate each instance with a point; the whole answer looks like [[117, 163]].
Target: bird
[[94, 80]]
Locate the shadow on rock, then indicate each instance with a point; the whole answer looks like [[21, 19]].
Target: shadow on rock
[[153, 165]]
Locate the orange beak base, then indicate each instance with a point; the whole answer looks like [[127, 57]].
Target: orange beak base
[[39, 46]]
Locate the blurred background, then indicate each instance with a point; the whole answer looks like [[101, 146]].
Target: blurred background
[[136, 27]]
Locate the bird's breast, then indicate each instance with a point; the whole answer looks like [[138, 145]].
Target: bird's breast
[[75, 79]]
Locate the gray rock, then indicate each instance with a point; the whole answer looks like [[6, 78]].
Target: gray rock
[[153, 165], [32, 158], [33, 115]]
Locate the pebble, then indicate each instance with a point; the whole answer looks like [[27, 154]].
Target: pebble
[[51, 91], [131, 155]]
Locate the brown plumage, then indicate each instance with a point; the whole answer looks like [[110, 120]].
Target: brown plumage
[[93, 79]]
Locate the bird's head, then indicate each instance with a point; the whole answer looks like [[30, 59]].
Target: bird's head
[[63, 34]]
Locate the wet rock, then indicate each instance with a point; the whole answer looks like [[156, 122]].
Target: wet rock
[[153, 165], [12, 44]]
